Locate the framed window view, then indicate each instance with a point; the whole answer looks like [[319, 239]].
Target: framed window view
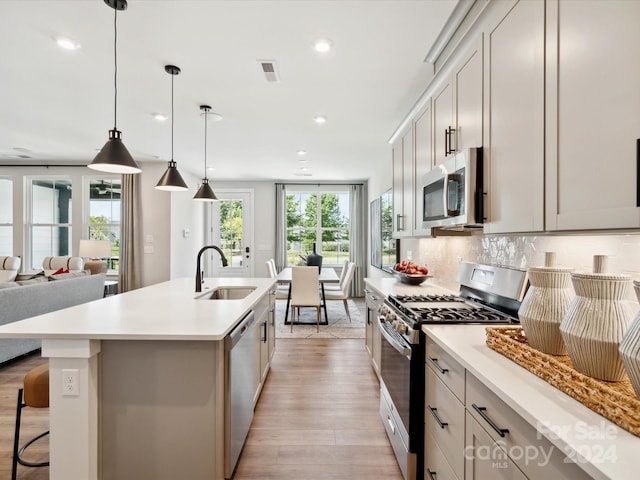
[[384, 248], [376, 232]]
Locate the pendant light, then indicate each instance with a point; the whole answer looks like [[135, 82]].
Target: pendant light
[[114, 156], [172, 180], [205, 193]]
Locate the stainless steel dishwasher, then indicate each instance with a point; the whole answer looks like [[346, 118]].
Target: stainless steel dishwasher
[[239, 380]]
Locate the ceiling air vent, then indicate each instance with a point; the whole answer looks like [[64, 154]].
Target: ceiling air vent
[[270, 70]]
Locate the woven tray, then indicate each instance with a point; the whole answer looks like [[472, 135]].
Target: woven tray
[[615, 401]]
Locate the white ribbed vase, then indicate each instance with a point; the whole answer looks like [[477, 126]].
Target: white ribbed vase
[[630, 348], [595, 323], [544, 306]]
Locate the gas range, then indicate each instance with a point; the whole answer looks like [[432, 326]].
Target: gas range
[[446, 309], [488, 294]]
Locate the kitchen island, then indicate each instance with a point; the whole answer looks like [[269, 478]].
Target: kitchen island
[[137, 380]]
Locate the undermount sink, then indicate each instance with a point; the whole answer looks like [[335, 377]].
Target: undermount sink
[[227, 293]]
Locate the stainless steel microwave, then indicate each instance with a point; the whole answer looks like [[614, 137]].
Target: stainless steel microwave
[[452, 193]]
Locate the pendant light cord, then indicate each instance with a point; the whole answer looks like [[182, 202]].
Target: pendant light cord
[[115, 70], [205, 142], [172, 75]]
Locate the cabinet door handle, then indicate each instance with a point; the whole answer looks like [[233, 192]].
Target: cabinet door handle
[[399, 219], [264, 332], [452, 137], [435, 363], [446, 143], [434, 412], [482, 412], [432, 475]]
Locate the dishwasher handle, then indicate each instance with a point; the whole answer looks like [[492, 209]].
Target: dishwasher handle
[[238, 332]]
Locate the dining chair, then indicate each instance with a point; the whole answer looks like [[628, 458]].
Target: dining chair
[[343, 273], [343, 287], [304, 292], [282, 290]]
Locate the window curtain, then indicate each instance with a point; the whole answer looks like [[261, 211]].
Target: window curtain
[[130, 237], [281, 227], [357, 237]]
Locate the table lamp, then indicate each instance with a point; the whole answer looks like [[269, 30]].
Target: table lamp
[[95, 250]]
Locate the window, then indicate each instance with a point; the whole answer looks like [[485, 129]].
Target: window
[[6, 217], [320, 217], [104, 215], [49, 224], [231, 230]]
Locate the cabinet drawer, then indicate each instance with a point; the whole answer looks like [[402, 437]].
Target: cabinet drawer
[[446, 368], [444, 420], [536, 456], [485, 459], [436, 466]]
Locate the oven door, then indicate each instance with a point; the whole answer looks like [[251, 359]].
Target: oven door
[[395, 372]]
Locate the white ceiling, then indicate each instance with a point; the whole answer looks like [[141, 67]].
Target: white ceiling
[[59, 105]]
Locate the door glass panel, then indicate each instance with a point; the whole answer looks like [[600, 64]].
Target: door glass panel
[[231, 230]]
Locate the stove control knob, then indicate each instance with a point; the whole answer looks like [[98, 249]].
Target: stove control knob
[[401, 327], [391, 317]]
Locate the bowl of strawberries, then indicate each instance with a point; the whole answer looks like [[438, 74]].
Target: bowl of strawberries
[[411, 273]]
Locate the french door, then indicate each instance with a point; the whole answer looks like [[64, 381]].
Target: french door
[[230, 228]]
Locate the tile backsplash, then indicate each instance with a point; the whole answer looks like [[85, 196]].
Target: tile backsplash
[[442, 254]]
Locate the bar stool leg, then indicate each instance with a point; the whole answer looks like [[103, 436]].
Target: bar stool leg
[[16, 438]]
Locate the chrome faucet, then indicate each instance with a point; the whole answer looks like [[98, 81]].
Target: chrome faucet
[[198, 277]]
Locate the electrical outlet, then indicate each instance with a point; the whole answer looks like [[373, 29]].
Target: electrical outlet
[[409, 255], [70, 380]]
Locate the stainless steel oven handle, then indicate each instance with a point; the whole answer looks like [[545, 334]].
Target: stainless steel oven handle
[[403, 349]]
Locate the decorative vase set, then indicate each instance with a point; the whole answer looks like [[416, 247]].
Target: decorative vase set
[[595, 327]]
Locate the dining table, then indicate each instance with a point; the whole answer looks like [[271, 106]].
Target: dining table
[[327, 275]]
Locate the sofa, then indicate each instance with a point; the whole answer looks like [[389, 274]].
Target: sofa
[[39, 295]]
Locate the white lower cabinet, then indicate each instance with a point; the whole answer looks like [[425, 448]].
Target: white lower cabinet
[[472, 434], [436, 466], [444, 428], [485, 459], [536, 456]]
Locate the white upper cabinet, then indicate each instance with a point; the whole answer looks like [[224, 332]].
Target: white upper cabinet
[[403, 185], [457, 106], [514, 118], [423, 148], [593, 114]]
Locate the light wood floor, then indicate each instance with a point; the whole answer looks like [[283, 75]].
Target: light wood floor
[[317, 417]]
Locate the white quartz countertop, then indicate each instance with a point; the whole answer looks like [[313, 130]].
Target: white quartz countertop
[[165, 311], [604, 450]]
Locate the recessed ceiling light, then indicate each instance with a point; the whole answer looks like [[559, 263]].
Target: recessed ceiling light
[[322, 45], [67, 43], [161, 117], [304, 169], [320, 119], [302, 152], [211, 169]]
